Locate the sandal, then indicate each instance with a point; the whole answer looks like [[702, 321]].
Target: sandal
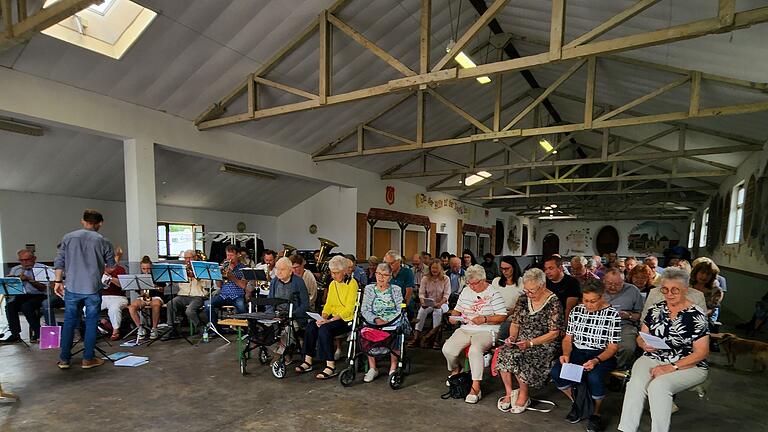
[[323, 375], [519, 409], [503, 406], [303, 368]]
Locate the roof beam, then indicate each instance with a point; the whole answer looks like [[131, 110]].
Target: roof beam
[[592, 194], [629, 105], [23, 29], [672, 34], [612, 23]]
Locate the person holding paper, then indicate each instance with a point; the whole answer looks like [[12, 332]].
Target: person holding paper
[[153, 299], [591, 341], [660, 373], [84, 254], [337, 313], [434, 288], [482, 310], [28, 303], [525, 358]]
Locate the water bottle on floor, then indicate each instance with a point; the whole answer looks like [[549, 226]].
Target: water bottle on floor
[[205, 336]]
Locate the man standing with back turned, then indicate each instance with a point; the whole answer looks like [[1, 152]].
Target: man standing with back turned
[[83, 254]]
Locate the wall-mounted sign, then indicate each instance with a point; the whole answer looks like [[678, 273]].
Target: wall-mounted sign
[[390, 195], [653, 237], [425, 201]]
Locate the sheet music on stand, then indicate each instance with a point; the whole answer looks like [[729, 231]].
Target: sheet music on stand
[[11, 286], [169, 273], [206, 270], [136, 282], [44, 274]]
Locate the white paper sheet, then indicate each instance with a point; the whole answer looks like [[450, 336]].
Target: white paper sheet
[[315, 316], [571, 372], [654, 341], [132, 361]]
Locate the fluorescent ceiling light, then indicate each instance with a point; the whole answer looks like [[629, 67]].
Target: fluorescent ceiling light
[[553, 205], [544, 143], [476, 178], [556, 217], [241, 170], [464, 61]]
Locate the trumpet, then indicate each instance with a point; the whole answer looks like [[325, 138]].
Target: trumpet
[[225, 269]]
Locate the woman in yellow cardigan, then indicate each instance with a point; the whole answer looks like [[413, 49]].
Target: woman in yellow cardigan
[[337, 313]]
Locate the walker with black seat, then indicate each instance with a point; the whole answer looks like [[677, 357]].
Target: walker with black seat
[[264, 330]]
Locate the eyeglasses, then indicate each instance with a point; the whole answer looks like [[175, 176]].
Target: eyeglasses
[[382, 274], [665, 290], [471, 283]]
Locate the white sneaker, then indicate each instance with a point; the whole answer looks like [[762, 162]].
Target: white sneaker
[[153, 334], [142, 332], [371, 375]]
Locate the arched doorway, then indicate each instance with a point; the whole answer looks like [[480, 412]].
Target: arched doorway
[[607, 240], [524, 241], [550, 245]]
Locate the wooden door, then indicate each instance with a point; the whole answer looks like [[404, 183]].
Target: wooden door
[[411, 245], [361, 251], [382, 241]]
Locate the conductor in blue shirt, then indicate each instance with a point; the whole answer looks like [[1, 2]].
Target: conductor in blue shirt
[[83, 254]]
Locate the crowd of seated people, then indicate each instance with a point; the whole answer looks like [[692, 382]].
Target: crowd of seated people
[[589, 313]]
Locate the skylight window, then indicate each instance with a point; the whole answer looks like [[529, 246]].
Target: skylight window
[[109, 28]]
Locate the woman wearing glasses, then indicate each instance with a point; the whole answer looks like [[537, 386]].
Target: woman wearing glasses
[[381, 305], [480, 309], [337, 313], [660, 373], [510, 286], [534, 336]]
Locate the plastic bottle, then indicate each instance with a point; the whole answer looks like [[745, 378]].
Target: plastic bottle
[[205, 337]]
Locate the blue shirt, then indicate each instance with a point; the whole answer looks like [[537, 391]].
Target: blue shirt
[[404, 279], [28, 287], [83, 254], [456, 280], [229, 289], [294, 290], [359, 275]]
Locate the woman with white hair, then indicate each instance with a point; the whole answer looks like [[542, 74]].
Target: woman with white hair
[[381, 305], [481, 310], [337, 313], [660, 373], [527, 354]]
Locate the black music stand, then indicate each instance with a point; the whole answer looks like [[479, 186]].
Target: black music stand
[[46, 274], [169, 274], [136, 282], [211, 271], [12, 286]]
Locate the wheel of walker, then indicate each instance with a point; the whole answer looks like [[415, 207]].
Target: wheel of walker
[[347, 376], [396, 379], [263, 356], [278, 369], [243, 366]]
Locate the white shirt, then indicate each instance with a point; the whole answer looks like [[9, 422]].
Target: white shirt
[[473, 304], [510, 292]]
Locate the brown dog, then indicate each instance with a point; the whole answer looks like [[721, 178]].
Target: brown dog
[[734, 346]]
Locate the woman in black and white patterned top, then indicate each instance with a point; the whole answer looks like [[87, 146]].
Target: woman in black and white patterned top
[[591, 340], [660, 373]]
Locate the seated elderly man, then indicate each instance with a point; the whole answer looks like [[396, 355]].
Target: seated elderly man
[[458, 279], [189, 299], [481, 310], [534, 335], [579, 270], [653, 262], [286, 285], [298, 265], [661, 373], [628, 301], [29, 303]]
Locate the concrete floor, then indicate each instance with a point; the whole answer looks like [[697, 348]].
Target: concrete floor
[[200, 389]]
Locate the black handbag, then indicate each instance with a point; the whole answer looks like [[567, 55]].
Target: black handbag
[[459, 386]]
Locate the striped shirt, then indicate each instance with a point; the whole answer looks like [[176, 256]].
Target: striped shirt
[[473, 304], [594, 330]]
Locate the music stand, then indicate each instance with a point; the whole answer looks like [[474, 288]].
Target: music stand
[[211, 271], [170, 274], [260, 277], [46, 274], [12, 286], [136, 282]]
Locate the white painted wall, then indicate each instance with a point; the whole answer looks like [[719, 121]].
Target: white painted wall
[[563, 227], [333, 211], [43, 219]]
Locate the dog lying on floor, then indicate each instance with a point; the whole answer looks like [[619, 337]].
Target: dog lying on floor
[[735, 346]]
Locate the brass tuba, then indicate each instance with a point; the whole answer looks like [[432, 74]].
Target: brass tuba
[[288, 250], [322, 261]]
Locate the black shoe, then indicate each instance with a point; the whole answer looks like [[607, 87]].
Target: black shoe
[[170, 334], [11, 339], [573, 416], [594, 424]]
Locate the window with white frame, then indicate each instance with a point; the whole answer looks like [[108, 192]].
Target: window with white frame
[[691, 233], [174, 238], [736, 215], [704, 227]]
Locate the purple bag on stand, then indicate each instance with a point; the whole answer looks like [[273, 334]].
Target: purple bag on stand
[[50, 337]]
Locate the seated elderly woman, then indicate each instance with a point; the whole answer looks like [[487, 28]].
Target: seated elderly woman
[[434, 290], [481, 310], [660, 373], [337, 313], [381, 305], [640, 276], [591, 340], [534, 335]]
